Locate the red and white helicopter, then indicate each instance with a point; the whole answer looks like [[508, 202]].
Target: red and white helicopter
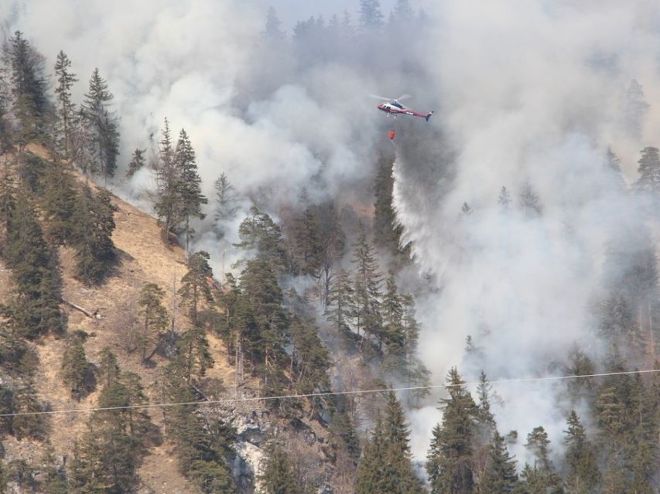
[[392, 106]]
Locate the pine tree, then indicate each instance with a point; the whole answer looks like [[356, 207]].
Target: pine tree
[[168, 205], [59, 202], [189, 187], [137, 162], [340, 309], [259, 232], [102, 125], [529, 201], [371, 16], [278, 472], [226, 204], [195, 288], [264, 322], [77, 372], [541, 478], [95, 251], [307, 243], [392, 315], [367, 289], [500, 475], [369, 472], [310, 360], [28, 90], [649, 170], [35, 308], [504, 199], [387, 229], [583, 476], [203, 446], [66, 108], [108, 456], [449, 461], [154, 319], [398, 475], [7, 208]]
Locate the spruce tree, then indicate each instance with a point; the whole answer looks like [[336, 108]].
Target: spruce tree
[[137, 162], [340, 309], [449, 461], [77, 372], [28, 90], [189, 187], [500, 475], [369, 472], [259, 232], [583, 476], [195, 285], [278, 472], [35, 308], [154, 319], [649, 170], [66, 108], [367, 290], [60, 200], [307, 243], [95, 251], [504, 199], [203, 446], [541, 477], [168, 205], [226, 204], [102, 126], [371, 16], [529, 201]]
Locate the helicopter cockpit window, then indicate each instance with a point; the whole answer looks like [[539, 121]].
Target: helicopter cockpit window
[[397, 104]]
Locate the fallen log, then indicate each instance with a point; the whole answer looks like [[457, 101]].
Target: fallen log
[[91, 315]]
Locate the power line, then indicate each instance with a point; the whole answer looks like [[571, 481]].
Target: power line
[[324, 393]]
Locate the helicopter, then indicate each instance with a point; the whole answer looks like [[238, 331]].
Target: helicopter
[[393, 106]]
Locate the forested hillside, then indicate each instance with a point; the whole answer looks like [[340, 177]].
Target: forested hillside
[[348, 312]]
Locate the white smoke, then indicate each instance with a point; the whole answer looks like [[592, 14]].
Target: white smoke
[[527, 91]]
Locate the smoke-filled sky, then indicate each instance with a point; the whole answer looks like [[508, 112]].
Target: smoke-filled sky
[[526, 91]]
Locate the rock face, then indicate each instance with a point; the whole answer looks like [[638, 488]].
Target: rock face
[[251, 433]]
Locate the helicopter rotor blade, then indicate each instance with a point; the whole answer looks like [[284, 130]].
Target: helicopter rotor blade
[[380, 97], [403, 96]]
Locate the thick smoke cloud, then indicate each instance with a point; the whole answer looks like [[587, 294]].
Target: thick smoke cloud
[[532, 93], [526, 92]]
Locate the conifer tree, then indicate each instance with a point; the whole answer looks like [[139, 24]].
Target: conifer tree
[[500, 475], [77, 372], [59, 202], [340, 309], [310, 360], [94, 220], [367, 289], [372, 460], [226, 204], [102, 126], [203, 447], [154, 319], [541, 478], [278, 472], [28, 89], [387, 229], [582, 476], [259, 232], [107, 457], [449, 461], [7, 209], [265, 324], [35, 308], [649, 170], [66, 108], [137, 162], [307, 243], [168, 204], [189, 187], [529, 201], [504, 199], [371, 16], [195, 288]]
